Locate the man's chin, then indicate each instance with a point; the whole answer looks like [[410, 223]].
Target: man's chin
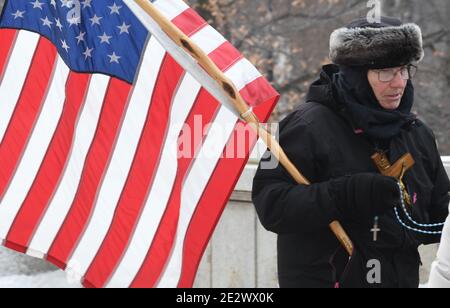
[[391, 105]]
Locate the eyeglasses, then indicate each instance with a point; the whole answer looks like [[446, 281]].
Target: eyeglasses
[[387, 75]]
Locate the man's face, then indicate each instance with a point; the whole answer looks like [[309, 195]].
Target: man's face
[[389, 85]]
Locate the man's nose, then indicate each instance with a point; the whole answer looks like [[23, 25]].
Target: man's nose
[[398, 81]]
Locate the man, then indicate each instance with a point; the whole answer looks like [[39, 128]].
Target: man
[[360, 105]]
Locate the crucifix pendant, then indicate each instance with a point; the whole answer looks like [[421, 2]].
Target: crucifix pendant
[[397, 170], [375, 229]]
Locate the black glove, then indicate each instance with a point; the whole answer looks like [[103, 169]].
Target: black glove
[[363, 196]]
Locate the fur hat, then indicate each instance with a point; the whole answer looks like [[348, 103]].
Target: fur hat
[[377, 45]]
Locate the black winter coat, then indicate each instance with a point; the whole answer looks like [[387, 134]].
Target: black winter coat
[[320, 140]]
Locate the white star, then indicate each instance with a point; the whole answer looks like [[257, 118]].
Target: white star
[[47, 22], [53, 2], [124, 28], [58, 24], [67, 3], [86, 3], [37, 5], [95, 20], [18, 14], [104, 38], [114, 58], [64, 45], [88, 53], [74, 21], [115, 9], [80, 37]]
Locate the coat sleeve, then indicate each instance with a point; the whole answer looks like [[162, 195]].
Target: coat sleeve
[[283, 206], [440, 270], [440, 195], [440, 198]]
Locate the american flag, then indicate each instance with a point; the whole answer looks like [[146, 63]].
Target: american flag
[[93, 101]]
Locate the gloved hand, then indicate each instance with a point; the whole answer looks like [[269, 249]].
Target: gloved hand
[[363, 196]]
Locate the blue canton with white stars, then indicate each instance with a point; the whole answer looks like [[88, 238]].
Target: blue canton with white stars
[[92, 36]]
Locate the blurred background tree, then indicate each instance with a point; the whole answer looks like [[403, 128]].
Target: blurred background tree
[[288, 41]]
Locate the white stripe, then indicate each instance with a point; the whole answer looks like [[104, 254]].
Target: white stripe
[[194, 186], [121, 160], [161, 189], [65, 193], [15, 75], [243, 73], [186, 61], [36, 149], [208, 39], [171, 8]]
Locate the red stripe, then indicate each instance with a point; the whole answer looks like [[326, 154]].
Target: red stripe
[[100, 152], [7, 39], [257, 92], [26, 111], [189, 22], [213, 202], [52, 167], [204, 112], [140, 178], [225, 56]]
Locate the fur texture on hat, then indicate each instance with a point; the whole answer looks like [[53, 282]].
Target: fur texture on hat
[[377, 45]]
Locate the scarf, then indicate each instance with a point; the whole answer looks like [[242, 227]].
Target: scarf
[[354, 92]]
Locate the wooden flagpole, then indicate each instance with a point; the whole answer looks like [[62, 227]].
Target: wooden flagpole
[[241, 106]]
